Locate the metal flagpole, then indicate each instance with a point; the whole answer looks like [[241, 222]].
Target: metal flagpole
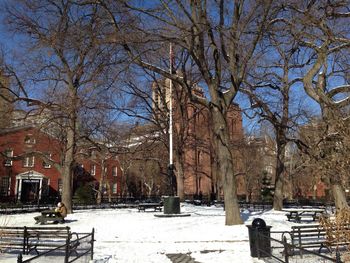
[[171, 108], [171, 165]]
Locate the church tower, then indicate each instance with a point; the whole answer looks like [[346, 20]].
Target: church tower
[[6, 107]]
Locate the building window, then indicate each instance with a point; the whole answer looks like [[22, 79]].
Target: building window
[[28, 161], [29, 139], [45, 164], [8, 153], [4, 186], [114, 188], [114, 171], [93, 169]]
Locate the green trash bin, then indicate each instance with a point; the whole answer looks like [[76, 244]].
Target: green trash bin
[[259, 238]]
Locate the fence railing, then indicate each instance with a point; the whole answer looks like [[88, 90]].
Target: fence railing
[[120, 202], [72, 250], [285, 250]]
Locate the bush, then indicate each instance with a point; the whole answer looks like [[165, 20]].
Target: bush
[[84, 195]]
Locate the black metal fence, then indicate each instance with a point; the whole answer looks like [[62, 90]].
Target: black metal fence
[[127, 202], [282, 251], [255, 206], [72, 250]]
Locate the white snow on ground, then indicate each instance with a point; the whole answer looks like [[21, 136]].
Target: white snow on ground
[[126, 235]]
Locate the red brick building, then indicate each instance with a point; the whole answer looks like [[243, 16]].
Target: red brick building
[[27, 177], [199, 161], [192, 122]]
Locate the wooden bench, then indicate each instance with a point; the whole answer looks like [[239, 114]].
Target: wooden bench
[[314, 236], [154, 206], [13, 238], [28, 239], [49, 216]]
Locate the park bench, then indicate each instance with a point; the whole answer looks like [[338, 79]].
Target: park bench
[[28, 239], [154, 206], [49, 216], [312, 236], [297, 214]]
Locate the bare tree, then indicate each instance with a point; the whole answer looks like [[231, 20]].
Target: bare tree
[[251, 159], [220, 38], [147, 103], [67, 62], [270, 90], [144, 165], [323, 40]]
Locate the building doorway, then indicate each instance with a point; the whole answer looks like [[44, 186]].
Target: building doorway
[[29, 186], [30, 191]]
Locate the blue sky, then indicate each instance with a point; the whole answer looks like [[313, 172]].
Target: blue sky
[[11, 42]]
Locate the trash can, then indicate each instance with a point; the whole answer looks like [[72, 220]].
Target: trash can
[[259, 238]]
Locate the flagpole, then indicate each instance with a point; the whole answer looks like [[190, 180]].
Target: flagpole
[[171, 165], [171, 107]]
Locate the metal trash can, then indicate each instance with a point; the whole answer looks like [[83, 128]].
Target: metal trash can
[[259, 238]]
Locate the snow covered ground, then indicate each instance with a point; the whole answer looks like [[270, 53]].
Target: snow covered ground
[[126, 235]]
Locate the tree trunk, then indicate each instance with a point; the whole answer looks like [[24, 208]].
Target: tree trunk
[[280, 169], [109, 192], [339, 196], [278, 194], [99, 192], [70, 150], [225, 169], [101, 182], [179, 175], [67, 176], [330, 116], [215, 189]]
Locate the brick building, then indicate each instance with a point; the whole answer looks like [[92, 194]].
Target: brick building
[[309, 180], [26, 177], [199, 158], [192, 130]]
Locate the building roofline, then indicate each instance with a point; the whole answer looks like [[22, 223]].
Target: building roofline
[[17, 128]]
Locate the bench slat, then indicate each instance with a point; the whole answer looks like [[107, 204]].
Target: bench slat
[[33, 238]]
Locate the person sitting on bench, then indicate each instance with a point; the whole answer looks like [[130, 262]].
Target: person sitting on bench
[[61, 208], [56, 216]]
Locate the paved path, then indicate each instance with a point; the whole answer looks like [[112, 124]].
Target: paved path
[[181, 258]]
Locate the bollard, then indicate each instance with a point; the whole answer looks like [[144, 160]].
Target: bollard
[[19, 258], [92, 243], [259, 238], [337, 257]]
